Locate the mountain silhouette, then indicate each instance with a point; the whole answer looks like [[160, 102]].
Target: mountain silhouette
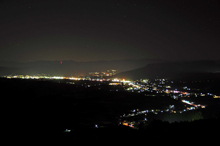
[[70, 67], [173, 70]]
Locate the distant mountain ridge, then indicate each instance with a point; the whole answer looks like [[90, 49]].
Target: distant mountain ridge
[[172, 70], [70, 67]]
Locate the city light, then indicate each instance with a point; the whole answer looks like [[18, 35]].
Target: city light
[[115, 80], [67, 130], [136, 87]]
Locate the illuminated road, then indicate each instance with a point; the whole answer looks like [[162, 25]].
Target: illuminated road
[[193, 104]]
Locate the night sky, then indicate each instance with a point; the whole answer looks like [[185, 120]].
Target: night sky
[[91, 30]]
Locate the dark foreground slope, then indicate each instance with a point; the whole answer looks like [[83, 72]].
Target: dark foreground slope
[[33, 108]]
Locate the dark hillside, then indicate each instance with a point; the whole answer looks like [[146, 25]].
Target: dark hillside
[[173, 70]]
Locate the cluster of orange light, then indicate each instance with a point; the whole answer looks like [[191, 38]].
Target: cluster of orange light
[[126, 124]]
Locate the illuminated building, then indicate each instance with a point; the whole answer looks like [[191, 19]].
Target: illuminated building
[[111, 72], [102, 74], [215, 96], [94, 74], [115, 84]]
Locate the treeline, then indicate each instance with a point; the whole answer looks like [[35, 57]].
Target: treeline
[[157, 130], [178, 117]]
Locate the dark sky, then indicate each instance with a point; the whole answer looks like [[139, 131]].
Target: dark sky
[[90, 30]]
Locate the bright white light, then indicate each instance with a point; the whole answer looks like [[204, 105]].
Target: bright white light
[[115, 80], [55, 77], [73, 78]]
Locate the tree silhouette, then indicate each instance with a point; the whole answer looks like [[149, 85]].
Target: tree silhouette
[[197, 116]]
